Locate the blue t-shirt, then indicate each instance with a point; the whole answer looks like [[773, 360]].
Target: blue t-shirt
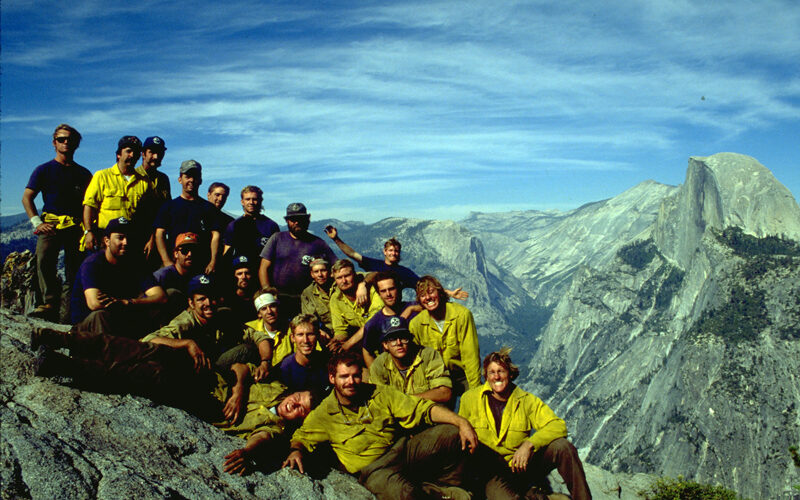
[[196, 216], [407, 277], [62, 187], [290, 258], [169, 277], [248, 235], [374, 327], [125, 280], [304, 378]]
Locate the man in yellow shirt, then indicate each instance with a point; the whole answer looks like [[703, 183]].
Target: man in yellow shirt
[[351, 305], [362, 422], [272, 327], [118, 191], [409, 367], [523, 430], [450, 329]]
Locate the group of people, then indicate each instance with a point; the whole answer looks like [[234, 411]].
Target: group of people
[[269, 336]]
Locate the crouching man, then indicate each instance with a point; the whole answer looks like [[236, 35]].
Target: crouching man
[[524, 431], [362, 422]]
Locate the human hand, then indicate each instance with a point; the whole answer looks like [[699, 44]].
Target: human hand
[[45, 228], [261, 371], [459, 294], [200, 359], [331, 232], [89, 241], [469, 439], [236, 462], [295, 458], [362, 297], [233, 407], [519, 462]]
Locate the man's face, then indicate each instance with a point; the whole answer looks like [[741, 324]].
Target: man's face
[[346, 380], [305, 339], [127, 158], [203, 306], [498, 377], [430, 299], [243, 277], [298, 225], [64, 142], [388, 292], [396, 347], [320, 274], [345, 279], [269, 313], [190, 181], [295, 406], [251, 203], [151, 158], [183, 255], [218, 196], [117, 244], [392, 254]]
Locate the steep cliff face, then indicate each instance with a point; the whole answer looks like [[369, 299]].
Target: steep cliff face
[[681, 353]]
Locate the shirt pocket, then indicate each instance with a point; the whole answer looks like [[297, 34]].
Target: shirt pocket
[[112, 199]]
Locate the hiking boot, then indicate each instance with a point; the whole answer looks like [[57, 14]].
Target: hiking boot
[[49, 363], [434, 490], [48, 337], [45, 311]]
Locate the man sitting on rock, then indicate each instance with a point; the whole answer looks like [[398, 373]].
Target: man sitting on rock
[[393, 307], [316, 297], [239, 296], [263, 414], [113, 293], [349, 310], [362, 423], [270, 326], [211, 335], [408, 367], [305, 369], [174, 279]]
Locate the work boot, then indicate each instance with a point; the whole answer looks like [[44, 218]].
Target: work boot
[[49, 337], [47, 312], [48, 363], [434, 490]]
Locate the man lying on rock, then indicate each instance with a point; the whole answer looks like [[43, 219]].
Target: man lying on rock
[[260, 413]]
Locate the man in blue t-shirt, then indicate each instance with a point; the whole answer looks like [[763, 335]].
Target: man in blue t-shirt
[[112, 293], [248, 234], [393, 307], [406, 278], [189, 213], [175, 279], [62, 183], [306, 368], [287, 255]]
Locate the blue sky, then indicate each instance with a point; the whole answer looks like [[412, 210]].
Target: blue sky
[[426, 109]]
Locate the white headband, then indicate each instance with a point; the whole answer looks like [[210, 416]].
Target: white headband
[[264, 299]]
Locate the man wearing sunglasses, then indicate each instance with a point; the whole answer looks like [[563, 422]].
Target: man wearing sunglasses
[[174, 279], [409, 367], [62, 183]]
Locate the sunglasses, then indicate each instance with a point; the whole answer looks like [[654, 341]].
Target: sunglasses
[[184, 250], [64, 138]]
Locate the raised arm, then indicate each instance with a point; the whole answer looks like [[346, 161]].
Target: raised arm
[[344, 247]]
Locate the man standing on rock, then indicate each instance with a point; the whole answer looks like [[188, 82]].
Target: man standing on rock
[[62, 183], [363, 422], [153, 151], [286, 256], [248, 234]]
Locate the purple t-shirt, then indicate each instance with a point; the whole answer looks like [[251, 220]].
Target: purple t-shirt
[[169, 277], [407, 277], [304, 378], [290, 258], [62, 187], [374, 327], [122, 281]]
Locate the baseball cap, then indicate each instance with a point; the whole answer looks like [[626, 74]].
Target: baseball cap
[[188, 165], [155, 142], [186, 239], [203, 284], [240, 261], [129, 141], [397, 328], [296, 210], [118, 225]]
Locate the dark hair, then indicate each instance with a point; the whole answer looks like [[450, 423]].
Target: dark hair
[[427, 282], [384, 275], [346, 358], [215, 185], [502, 358]]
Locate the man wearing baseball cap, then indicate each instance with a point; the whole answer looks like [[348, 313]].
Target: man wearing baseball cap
[[287, 255], [189, 213], [239, 296], [118, 191], [153, 151], [410, 368], [174, 279], [112, 293]]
